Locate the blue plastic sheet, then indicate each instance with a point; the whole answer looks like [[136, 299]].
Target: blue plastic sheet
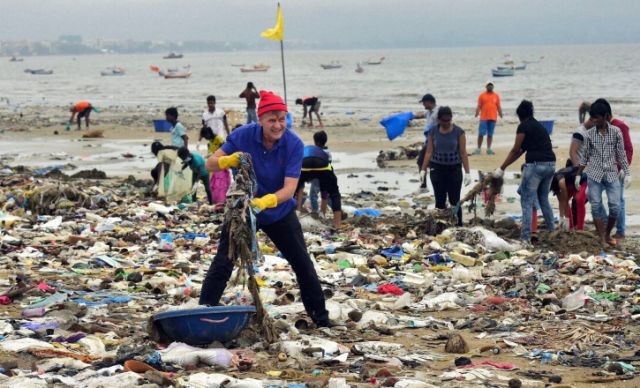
[[396, 124], [367, 212], [112, 299], [392, 252]]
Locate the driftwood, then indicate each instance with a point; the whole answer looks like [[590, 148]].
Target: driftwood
[[495, 187]]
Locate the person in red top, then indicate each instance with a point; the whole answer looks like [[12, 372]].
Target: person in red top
[[628, 149], [488, 109], [82, 109]]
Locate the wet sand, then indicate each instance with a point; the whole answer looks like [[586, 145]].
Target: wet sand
[[30, 140]]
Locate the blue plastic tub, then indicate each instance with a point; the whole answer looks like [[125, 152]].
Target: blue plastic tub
[[204, 325], [548, 125], [162, 125]]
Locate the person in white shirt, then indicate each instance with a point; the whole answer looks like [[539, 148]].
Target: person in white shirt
[[430, 116], [215, 130], [215, 118]]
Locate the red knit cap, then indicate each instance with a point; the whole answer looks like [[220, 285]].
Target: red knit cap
[[270, 102]]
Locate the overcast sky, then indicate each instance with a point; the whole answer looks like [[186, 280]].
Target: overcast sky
[[331, 23]]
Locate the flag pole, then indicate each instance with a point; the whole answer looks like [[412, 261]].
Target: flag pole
[[284, 78]]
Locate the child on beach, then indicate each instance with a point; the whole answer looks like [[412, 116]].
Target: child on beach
[[197, 165], [219, 181], [316, 164]]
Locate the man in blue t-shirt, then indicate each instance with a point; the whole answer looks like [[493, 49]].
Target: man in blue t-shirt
[[276, 153]]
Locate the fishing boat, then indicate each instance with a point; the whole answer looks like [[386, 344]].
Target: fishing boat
[[332, 65], [173, 55], [378, 62], [172, 71], [521, 66], [177, 74], [16, 59], [112, 71], [255, 69], [502, 72], [38, 71], [359, 68], [238, 65]]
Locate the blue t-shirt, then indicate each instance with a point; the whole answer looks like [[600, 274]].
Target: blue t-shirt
[[284, 160], [176, 135]]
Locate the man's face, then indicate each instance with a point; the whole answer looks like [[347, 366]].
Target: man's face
[[599, 121], [170, 118], [428, 105], [211, 105], [490, 88], [273, 124]]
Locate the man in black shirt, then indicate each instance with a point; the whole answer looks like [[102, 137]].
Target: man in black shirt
[[532, 138], [311, 105]]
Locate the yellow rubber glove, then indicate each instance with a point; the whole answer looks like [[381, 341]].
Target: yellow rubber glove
[[228, 161], [265, 202]]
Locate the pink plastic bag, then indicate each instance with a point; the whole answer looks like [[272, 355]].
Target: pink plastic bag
[[219, 184]]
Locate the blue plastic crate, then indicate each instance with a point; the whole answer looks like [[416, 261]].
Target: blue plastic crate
[[162, 125]]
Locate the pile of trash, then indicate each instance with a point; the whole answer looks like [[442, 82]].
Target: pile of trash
[[400, 153], [85, 264]]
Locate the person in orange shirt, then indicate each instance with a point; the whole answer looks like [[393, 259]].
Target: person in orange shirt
[[82, 109], [488, 108]]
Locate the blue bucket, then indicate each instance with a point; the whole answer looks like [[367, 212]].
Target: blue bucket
[[162, 125], [202, 326], [548, 125]]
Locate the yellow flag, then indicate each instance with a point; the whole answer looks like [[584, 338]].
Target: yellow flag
[[277, 32]]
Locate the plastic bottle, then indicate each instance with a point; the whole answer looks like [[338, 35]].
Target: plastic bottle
[[462, 259]]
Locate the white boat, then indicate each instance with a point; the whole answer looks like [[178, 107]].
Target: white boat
[[332, 65], [112, 71], [175, 75], [259, 68], [511, 66], [378, 62], [16, 59], [502, 72], [38, 71]]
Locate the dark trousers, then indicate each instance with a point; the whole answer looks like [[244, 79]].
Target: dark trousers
[[447, 182], [204, 178], [328, 184], [287, 236]]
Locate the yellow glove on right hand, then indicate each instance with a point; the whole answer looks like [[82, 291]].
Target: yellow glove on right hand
[[228, 161], [268, 201]]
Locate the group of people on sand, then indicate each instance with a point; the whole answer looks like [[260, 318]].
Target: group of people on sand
[[600, 155], [316, 161]]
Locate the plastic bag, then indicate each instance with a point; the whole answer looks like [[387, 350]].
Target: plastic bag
[[577, 299], [185, 355], [396, 124], [165, 242], [176, 182]]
